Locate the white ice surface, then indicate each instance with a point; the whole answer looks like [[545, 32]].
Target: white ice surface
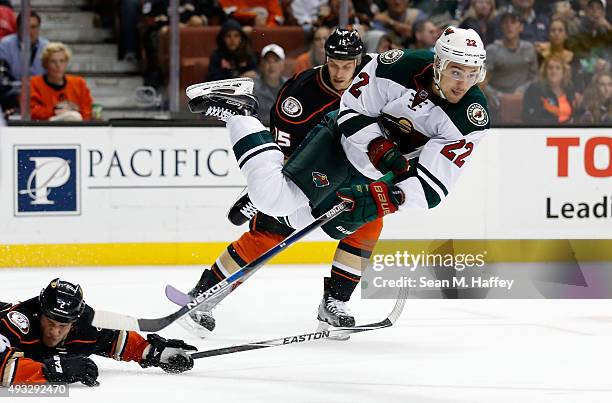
[[439, 350]]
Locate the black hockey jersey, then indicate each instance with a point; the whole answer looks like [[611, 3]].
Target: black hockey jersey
[[20, 325], [301, 104]]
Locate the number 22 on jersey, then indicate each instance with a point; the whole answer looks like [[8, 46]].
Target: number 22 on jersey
[[453, 152]]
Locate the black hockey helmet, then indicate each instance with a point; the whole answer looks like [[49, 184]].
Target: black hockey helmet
[[344, 44], [62, 301]]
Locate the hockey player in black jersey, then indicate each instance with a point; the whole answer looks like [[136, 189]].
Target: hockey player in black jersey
[[49, 338]]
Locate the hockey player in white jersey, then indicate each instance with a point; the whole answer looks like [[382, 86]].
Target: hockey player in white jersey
[[413, 116]]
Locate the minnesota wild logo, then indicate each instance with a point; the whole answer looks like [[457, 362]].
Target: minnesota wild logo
[[320, 180]]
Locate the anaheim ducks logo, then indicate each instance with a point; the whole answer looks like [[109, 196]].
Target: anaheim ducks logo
[[292, 107], [477, 114], [320, 180], [391, 56], [20, 320]]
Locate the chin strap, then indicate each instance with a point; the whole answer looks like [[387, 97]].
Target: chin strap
[[436, 77]]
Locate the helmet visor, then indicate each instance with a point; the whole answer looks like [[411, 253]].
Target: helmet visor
[[457, 74]]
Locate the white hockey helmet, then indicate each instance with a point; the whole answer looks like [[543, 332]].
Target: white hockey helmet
[[462, 46]]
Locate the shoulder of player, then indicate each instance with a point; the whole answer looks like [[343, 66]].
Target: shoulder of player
[[300, 81], [400, 65], [471, 114], [302, 96], [21, 320]]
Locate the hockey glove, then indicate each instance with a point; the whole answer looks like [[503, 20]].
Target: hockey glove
[[169, 355], [386, 157], [372, 201], [71, 368]]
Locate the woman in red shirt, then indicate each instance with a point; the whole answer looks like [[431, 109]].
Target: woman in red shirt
[[57, 95]]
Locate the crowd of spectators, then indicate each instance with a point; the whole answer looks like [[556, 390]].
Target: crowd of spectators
[[547, 61], [54, 95], [542, 59]]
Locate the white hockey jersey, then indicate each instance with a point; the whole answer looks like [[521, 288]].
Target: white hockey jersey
[[392, 97]]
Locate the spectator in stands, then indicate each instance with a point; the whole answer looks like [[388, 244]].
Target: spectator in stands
[[535, 25], [233, 56], [398, 20], [379, 42], [563, 10], [593, 43], [9, 90], [8, 22], [557, 35], [440, 12], [329, 15], [254, 12], [365, 10], [155, 21], [316, 55], [425, 35], [511, 62], [269, 80], [551, 99], [595, 21], [597, 105], [479, 17], [10, 49], [58, 96], [306, 12]]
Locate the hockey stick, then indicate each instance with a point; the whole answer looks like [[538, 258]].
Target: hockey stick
[[301, 338], [112, 320]]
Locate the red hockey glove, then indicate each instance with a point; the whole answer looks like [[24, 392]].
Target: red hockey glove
[[385, 156], [372, 201]]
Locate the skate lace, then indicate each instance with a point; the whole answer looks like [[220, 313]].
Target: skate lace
[[248, 210], [219, 112], [337, 307]]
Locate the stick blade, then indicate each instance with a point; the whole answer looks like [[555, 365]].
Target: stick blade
[[177, 296], [112, 320]]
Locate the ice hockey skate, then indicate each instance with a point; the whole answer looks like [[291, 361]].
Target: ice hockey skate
[[333, 313], [223, 99], [243, 210], [200, 321]]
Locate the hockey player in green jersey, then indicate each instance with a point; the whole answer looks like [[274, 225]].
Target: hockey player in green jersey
[[413, 116]]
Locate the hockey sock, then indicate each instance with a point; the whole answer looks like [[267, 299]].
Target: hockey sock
[[342, 284], [349, 262]]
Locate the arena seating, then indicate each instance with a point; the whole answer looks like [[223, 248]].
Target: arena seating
[[197, 45]]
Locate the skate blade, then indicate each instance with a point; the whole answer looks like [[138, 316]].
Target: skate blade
[[323, 326], [235, 86], [193, 328]]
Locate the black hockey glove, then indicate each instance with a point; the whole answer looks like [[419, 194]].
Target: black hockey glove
[[386, 157], [372, 201], [62, 368], [169, 355]]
